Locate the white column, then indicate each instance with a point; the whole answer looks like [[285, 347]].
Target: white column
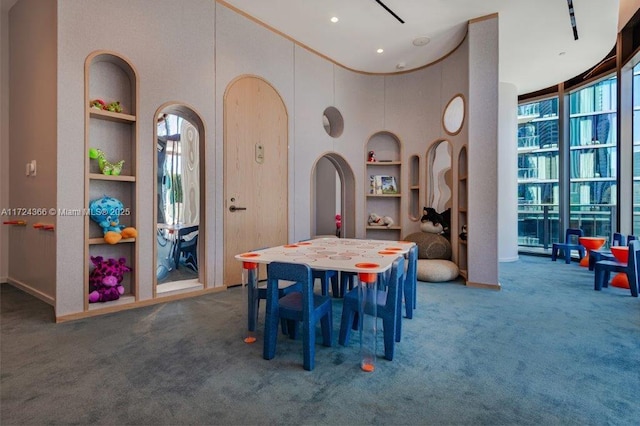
[[507, 173]]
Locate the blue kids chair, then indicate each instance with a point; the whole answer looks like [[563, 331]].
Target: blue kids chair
[[386, 308], [604, 268], [295, 307], [569, 245]]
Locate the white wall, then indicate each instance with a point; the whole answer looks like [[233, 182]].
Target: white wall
[[4, 138], [508, 173], [33, 118]]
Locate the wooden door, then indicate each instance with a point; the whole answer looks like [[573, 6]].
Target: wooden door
[[255, 171]]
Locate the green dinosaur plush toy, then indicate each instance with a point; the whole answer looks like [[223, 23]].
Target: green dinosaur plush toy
[[106, 167], [114, 107]]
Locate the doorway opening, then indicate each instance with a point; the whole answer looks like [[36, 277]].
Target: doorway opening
[[333, 197]]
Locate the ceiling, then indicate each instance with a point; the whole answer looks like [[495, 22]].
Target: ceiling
[[537, 46], [536, 38]]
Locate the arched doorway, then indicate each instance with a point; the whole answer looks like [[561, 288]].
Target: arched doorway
[[333, 189]]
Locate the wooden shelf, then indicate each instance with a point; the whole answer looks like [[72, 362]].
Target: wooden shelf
[[100, 240], [385, 228], [384, 163], [125, 299], [120, 178], [384, 195], [111, 116]]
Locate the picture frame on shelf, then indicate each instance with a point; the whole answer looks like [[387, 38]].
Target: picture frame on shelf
[[388, 185], [383, 184]]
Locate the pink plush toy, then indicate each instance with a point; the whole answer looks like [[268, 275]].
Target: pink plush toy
[[105, 279]]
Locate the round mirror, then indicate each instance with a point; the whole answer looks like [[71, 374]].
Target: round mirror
[[453, 116], [332, 122]]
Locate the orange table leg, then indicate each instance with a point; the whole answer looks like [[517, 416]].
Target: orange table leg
[[249, 286], [369, 319]]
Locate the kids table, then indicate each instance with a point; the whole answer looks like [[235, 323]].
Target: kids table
[[367, 258]]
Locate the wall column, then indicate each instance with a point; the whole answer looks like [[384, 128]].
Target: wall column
[[507, 173], [483, 153]]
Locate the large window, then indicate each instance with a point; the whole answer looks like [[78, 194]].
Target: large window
[[636, 150], [592, 151], [593, 148], [538, 173]]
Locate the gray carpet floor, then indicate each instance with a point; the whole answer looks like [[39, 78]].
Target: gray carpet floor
[[546, 350]]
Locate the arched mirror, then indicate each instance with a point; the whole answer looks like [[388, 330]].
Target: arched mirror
[[440, 177], [178, 191]]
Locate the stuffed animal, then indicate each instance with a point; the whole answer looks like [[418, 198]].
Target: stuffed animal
[[106, 167], [434, 222], [338, 224], [431, 221], [106, 212], [100, 104], [114, 107], [463, 234], [376, 220], [105, 279]]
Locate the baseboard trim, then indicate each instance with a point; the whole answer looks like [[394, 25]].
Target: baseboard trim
[[30, 290], [495, 287], [139, 304]]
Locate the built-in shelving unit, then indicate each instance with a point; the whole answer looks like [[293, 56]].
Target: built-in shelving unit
[[111, 78], [383, 180], [415, 208], [463, 188]]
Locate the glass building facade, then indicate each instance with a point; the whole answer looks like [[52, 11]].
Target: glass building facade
[[538, 173], [593, 163], [592, 152], [636, 150]]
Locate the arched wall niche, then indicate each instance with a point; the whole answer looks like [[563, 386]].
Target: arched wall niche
[[415, 204], [333, 192]]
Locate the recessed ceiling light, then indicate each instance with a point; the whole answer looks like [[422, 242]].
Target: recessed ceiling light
[[334, 19], [380, 50], [421, 41]]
